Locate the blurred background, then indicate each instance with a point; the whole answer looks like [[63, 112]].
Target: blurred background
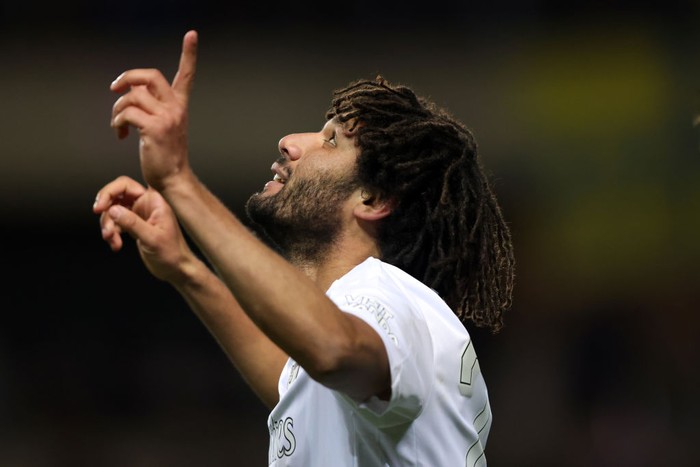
[[584, 114]]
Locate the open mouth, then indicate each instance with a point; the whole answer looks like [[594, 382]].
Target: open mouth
[[280, 179]]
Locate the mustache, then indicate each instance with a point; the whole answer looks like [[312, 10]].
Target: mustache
[[282, 163]]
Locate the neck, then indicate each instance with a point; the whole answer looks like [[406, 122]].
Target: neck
[[337, 261]]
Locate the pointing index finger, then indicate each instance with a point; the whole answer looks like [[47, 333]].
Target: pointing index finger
[[184, 78]]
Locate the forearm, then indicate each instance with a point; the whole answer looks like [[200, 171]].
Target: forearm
[[284, 303], [256, 357]]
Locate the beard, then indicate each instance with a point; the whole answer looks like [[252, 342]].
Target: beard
[[303, 220]]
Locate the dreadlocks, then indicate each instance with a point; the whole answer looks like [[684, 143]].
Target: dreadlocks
[[446, 227]]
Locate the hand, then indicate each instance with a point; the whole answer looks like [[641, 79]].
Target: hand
[[126, 206], [159, 111]]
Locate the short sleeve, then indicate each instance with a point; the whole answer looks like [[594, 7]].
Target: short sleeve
[[409, 348]]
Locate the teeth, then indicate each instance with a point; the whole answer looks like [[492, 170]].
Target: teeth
[[277, 178]]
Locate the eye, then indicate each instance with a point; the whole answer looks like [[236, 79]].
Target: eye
[[332, 140]]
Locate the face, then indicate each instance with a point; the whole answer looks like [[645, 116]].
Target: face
[[301, 209]]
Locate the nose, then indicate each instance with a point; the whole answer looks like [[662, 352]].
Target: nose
[[289, 147]]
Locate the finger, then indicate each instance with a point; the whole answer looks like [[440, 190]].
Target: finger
[[111, 233], [139, 96], [131, 116], [150, 77], [132, 223], [122, 132], [184, 78], [122, 190]]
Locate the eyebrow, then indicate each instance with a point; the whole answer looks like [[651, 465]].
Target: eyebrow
[[343, 127], [333, 125]]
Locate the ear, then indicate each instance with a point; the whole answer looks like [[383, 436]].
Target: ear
[[371, 208]]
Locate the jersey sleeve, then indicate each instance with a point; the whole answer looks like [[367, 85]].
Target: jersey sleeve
[[409, 348]]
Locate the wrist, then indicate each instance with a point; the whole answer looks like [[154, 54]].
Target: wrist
[[191, 274], [179, 185]]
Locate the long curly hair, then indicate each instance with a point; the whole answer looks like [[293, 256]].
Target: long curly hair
[[446, 227]]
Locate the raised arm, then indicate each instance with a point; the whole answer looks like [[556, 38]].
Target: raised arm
[[125, 206], [159, 111], [337, 349]]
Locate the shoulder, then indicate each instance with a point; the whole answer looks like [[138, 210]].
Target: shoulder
[[376, 273], [378, 285]]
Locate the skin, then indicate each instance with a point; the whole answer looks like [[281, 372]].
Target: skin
[[259, 306]]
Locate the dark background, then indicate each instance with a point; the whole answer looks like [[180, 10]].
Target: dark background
[[584, 113]]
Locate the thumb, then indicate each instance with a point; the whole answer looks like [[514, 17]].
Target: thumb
[[130, 222]]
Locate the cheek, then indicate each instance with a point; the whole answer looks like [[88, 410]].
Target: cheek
[[311, 169]]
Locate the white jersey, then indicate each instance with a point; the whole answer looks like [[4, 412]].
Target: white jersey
[[438, 414]]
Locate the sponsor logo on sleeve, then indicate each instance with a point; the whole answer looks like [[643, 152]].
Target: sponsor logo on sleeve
[[376, 309]]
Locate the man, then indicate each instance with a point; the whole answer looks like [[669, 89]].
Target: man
[[336, 321]]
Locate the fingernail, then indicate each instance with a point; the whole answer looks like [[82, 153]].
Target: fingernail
[[115, 212], [115, 80], [97, 199]]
